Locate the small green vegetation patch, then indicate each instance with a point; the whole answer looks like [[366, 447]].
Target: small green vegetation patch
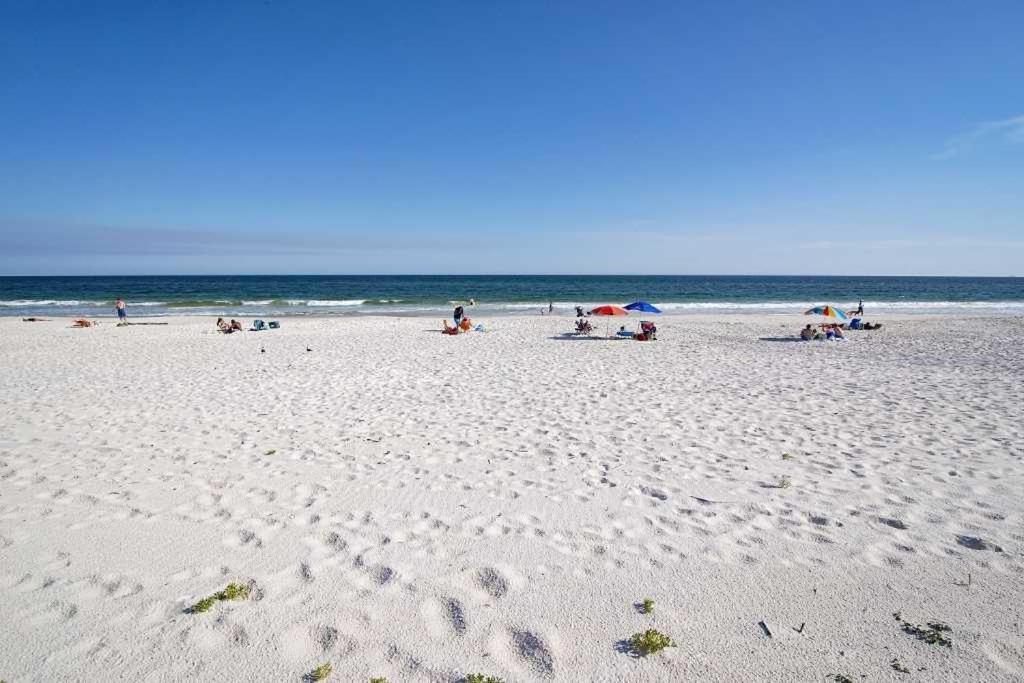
[[271, 451], [321, 672], [647, 606], [839, 678], [233, 591], [932, 633], [650, 641], [378, 680], [481, 678]]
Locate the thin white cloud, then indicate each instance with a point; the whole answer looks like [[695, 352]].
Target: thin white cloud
[[1005, 131], [935, 242]]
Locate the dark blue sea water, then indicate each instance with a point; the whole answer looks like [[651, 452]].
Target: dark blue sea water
[[429, 294]]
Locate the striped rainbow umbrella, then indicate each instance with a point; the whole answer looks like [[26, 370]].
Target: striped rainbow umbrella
[[827, 311]]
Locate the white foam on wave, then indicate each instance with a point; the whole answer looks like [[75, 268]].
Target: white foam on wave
[[258, 302], [23, 303], [332, 302]]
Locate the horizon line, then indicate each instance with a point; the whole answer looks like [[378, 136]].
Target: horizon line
[[440, 275]]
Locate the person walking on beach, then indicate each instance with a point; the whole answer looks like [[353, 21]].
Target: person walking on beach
[[860, 308], [122, 314], [458, 315], [551, 307]]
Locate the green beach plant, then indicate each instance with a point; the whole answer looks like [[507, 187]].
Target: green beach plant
[[650, 641], [378, 680], [647, 606], [932, 633], [321, 672], [233, 591]]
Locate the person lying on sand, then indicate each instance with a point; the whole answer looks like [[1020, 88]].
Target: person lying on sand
[[223, 326], [449, 329], [35, 320], [82, 322]]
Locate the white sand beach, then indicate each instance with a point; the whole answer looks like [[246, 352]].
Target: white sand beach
[[420, 507]]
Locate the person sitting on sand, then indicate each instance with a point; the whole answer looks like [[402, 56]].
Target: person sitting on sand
[[579, 311], [223, 326], [235, 325], [838, 330], [807, 334]]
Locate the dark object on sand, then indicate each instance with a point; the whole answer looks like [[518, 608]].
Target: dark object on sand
[[35, 320]]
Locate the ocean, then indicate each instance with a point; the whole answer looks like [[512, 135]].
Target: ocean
[[264, 295]]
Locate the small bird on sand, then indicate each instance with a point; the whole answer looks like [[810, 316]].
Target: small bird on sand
[[308, 349], [262, 350]]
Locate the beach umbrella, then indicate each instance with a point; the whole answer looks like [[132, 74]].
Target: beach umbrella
[[827, 311], [609, 311], [642, 307]]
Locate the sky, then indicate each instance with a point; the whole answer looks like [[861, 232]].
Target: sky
[[717, 137]]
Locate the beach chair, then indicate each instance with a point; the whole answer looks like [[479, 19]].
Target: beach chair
[[258, 326]]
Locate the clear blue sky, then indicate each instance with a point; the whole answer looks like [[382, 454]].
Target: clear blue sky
[[512, 137]]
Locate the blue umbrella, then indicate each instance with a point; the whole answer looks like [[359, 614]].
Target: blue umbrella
[[642, 307]]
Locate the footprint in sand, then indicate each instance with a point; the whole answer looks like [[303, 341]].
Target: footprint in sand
[[445, 617], [534, 652], [492, 582], [653, 493], [975, 543]]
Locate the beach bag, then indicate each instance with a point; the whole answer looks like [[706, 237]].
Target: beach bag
[[258, 325], [274, 325]]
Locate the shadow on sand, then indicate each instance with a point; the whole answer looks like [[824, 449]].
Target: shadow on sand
[[780, 339], [568, 336]]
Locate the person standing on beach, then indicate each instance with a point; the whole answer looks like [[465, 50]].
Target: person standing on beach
[[457, 315], [860, 308], [122, 314], [551, 307]]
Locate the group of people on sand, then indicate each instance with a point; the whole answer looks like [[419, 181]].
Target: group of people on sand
[[826, 331], [836, 331], [228, 327], [462, 322]]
